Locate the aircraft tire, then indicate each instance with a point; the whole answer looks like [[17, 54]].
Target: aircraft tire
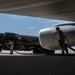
[[50, 52], [36, 50]]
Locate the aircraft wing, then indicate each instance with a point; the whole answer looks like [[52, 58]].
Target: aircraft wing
[[53, 9]]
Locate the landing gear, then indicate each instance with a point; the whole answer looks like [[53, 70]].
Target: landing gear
[[0, 49], [42, 50], [37, 50], [49, 52]]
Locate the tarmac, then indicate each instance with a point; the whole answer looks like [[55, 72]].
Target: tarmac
[[37, 64]]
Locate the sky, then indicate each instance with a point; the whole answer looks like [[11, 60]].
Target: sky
[[25, 25]]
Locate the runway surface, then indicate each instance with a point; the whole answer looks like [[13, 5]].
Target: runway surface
[[37, 64]]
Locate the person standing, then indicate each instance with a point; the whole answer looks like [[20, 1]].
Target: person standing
[[61, 40], [10, 45]]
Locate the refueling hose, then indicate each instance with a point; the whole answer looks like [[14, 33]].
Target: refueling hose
[[69, 47]]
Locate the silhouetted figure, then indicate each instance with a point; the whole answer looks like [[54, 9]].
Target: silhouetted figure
[[9, 45], [61, 40]]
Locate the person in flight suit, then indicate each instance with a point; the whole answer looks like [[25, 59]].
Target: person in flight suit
[[10, 45], [61, 40]]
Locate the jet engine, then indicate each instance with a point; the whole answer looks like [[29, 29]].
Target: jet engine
[[49, 40]]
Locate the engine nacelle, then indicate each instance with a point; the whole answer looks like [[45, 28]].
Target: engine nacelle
[[48, 39]]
